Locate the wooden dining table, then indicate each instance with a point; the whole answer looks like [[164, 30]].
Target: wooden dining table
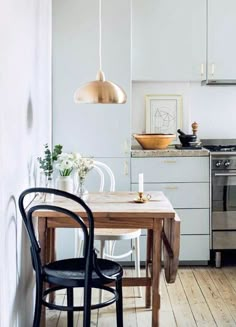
[[119, 210]]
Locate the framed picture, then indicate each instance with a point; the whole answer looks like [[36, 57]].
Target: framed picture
[[163, 114]]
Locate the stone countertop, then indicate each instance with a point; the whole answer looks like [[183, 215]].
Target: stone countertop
[[138, 152]]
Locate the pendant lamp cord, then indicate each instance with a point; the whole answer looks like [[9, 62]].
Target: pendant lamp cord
[[100, 35]]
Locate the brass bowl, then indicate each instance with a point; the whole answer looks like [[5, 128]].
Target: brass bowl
[[154, 141]]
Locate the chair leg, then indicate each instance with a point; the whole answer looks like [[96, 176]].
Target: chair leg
[[87, 304], [78, 245], [102, 254], [109, 247], [102, 249], [38, 302], [137, 262], [119, 304], [70, 303]]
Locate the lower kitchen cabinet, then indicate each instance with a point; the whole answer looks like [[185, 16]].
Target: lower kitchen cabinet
[[181, 195], [194, 248], [194, 221], [188, 192]]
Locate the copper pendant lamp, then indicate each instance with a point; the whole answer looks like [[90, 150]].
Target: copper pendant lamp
[[100, 90]]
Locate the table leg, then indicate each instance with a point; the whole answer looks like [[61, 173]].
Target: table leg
[[148, 263], [156, 267], [42, 234], [51, 245], [51, 255]]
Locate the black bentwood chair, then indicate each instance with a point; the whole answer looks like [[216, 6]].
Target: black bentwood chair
[[88, 271]]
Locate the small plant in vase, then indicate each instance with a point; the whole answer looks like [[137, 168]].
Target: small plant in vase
[[46, 162], [82, 165], [65, 164], [46, 165]]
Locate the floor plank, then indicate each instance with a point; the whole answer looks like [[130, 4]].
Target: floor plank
[[180, 305], [228, 294], [62, 321], [197, 302], [202, 297], [54, 315], [230, 273], [215, 302], [143, 314], [166, 313]]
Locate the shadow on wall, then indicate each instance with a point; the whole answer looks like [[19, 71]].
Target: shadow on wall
[[29, 117], [18, 269]]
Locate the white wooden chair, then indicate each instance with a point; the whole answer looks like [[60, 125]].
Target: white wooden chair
[[109, 237]]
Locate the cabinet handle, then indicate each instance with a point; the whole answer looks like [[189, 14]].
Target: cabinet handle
[[126, 146], [169, 161], [171, 188], [126, 168], [202, 70]]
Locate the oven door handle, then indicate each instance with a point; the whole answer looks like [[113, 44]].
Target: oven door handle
[[224, 174]]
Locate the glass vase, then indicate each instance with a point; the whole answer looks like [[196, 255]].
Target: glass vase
[[82, 192], [46, 180]]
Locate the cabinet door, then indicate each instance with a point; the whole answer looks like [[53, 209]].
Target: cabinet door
[[171, 169], [198, 40], [192, 248], [181, 195], [194, 221], [161, 40], [221, 39], [98, 130]]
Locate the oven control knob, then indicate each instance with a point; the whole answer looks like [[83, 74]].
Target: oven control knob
[[218, 163], [227, 163]]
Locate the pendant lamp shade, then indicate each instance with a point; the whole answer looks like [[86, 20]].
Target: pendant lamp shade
[[100, 90]]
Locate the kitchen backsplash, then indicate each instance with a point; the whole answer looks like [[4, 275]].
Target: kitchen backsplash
[[214, 108]]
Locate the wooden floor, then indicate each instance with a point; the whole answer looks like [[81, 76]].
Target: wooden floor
[[199, 297]]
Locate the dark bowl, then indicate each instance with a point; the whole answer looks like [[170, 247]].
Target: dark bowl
[[185, 139]]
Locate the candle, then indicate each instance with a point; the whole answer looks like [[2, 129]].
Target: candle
[[140, 182]]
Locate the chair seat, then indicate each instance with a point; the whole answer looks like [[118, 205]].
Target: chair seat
[[106, 234], [70, 272]]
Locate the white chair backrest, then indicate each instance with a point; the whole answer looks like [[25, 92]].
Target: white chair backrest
[[100, 167]]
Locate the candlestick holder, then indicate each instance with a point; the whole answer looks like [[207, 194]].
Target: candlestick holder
[[140, 196]]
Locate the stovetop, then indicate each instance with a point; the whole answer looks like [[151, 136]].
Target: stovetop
[[220, 146]]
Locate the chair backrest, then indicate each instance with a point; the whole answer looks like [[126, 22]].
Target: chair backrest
[[28, 215], [101, 167]]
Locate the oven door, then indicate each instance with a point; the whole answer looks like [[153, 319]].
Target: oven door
[[224, 209], [224, 199]]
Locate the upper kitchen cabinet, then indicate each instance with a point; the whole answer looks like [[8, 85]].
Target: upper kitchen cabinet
[[97, 130], [198, 40], [221, 46], [168, 40]]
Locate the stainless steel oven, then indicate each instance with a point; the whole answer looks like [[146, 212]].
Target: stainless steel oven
[[223, 197], [224, 205]]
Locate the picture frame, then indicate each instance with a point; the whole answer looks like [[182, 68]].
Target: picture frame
[[164, 114]]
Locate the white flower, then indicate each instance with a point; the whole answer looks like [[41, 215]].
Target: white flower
[[83, 165], [65, 163]]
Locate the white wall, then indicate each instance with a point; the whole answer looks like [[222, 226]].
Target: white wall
[[213, 108], [25, 86]]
